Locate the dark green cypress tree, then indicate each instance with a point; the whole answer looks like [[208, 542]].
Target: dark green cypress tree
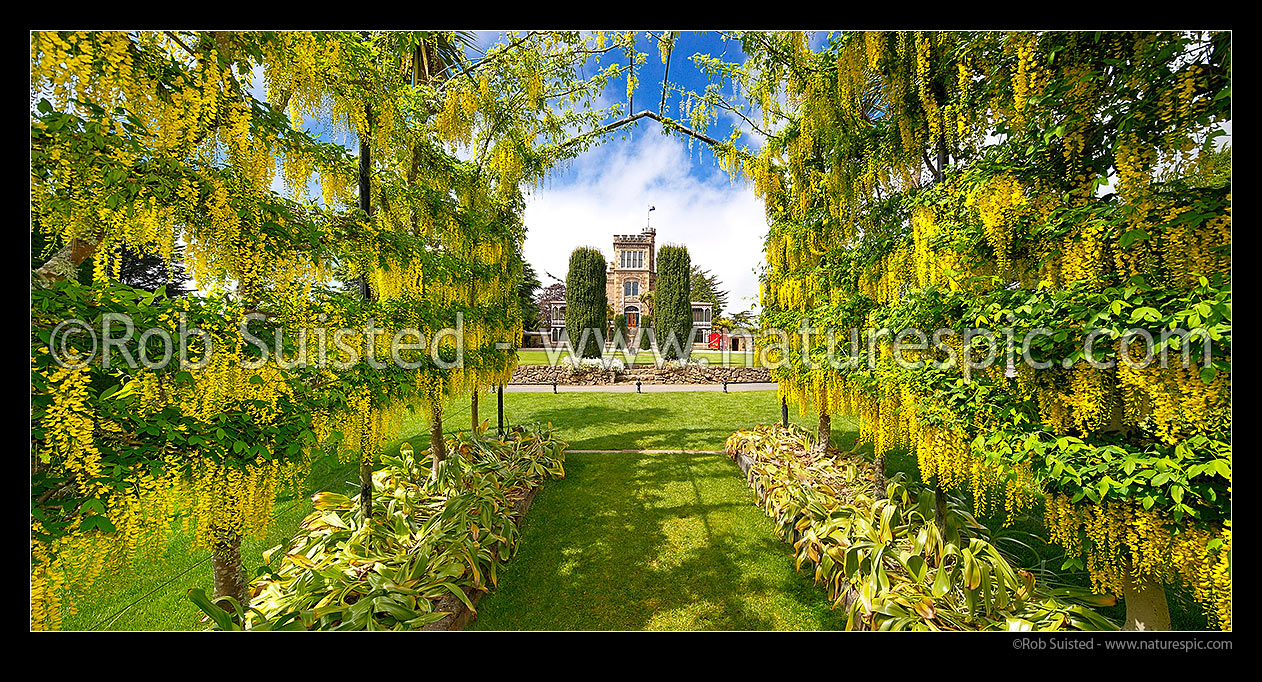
[[586, 302], [672, 304]]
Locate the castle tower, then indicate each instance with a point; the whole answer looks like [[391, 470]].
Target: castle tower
[[632, 272]]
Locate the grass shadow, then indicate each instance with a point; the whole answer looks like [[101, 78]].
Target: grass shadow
[[630, 541]]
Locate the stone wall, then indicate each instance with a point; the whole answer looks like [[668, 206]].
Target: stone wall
[[699, 375], [546, 374]]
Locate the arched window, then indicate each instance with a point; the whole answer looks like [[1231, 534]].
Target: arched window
[[632, 313], [631, 287]]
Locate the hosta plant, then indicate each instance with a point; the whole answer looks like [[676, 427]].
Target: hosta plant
[[886, 561], [431, 534]]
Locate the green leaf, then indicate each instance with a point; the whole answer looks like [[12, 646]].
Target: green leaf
[[1221, 467], [221, 618], [95, 506], [1132, 236], [97, 523], [941, 582]]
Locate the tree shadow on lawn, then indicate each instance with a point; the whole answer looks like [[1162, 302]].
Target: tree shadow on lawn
[[631, 541], [599, 415], [573, 424], [605, 427], [753, 566]]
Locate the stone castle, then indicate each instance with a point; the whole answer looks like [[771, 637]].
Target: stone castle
[[632, 273]]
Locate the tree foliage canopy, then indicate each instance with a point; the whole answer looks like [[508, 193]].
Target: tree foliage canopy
[[148, 140], [1019, 181], [586, 302], [707, 287], [672, 304]]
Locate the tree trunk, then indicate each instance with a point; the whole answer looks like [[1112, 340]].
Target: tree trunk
[[365, 293], [1146, 607], [473, 407], [499, 397], [65, 263], [878, 478], [824, 434], [225, 561], [436, 443], [365, 488], [940, 509]]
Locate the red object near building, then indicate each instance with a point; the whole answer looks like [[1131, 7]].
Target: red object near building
[[716, 341]]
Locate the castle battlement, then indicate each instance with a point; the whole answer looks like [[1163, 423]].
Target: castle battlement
[[642, 238]]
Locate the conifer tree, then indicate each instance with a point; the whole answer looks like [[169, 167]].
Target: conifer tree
[[672, 317], [586, 302]]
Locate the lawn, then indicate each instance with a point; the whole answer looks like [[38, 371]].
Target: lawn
[[645, 421], [631, 541], [537, 356]]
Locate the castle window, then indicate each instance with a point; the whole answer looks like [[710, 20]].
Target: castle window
[[631, 259], [631, 287]]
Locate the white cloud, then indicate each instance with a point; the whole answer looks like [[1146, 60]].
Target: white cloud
[[483, 40], [608, 190]]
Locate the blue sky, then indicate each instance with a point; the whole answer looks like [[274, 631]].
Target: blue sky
[[608, 189]]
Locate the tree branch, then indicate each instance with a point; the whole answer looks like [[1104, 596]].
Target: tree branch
[[666, 122], [486, 60], [925, 156], [65, 263], [724, 105]]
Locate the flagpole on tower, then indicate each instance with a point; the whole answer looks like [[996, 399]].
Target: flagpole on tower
[[648, 217]]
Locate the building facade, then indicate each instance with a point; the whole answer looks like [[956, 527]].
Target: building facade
[[631, 274]]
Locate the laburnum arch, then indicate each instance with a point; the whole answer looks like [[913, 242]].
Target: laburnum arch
[[911, 180]]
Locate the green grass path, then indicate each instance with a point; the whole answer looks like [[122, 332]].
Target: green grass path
[[634, 541]]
